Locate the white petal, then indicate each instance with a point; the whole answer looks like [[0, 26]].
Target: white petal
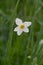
[[19, 32], [16, 29], [18, 21], [27, 24], [26, 30]]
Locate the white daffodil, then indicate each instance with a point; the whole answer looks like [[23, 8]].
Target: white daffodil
[[21, 26]]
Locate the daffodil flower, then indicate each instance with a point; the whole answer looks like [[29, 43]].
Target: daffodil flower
[[21, 26]]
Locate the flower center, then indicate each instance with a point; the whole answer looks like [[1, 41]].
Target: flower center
[[22, 26]]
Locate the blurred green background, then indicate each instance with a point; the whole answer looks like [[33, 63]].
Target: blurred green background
[[14, 49]]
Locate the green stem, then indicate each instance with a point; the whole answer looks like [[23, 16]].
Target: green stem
[[9, 49]]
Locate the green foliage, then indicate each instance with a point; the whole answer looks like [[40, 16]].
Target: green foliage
[[14, 49]]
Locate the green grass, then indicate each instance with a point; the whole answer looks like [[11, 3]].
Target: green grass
[[14, 49]]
